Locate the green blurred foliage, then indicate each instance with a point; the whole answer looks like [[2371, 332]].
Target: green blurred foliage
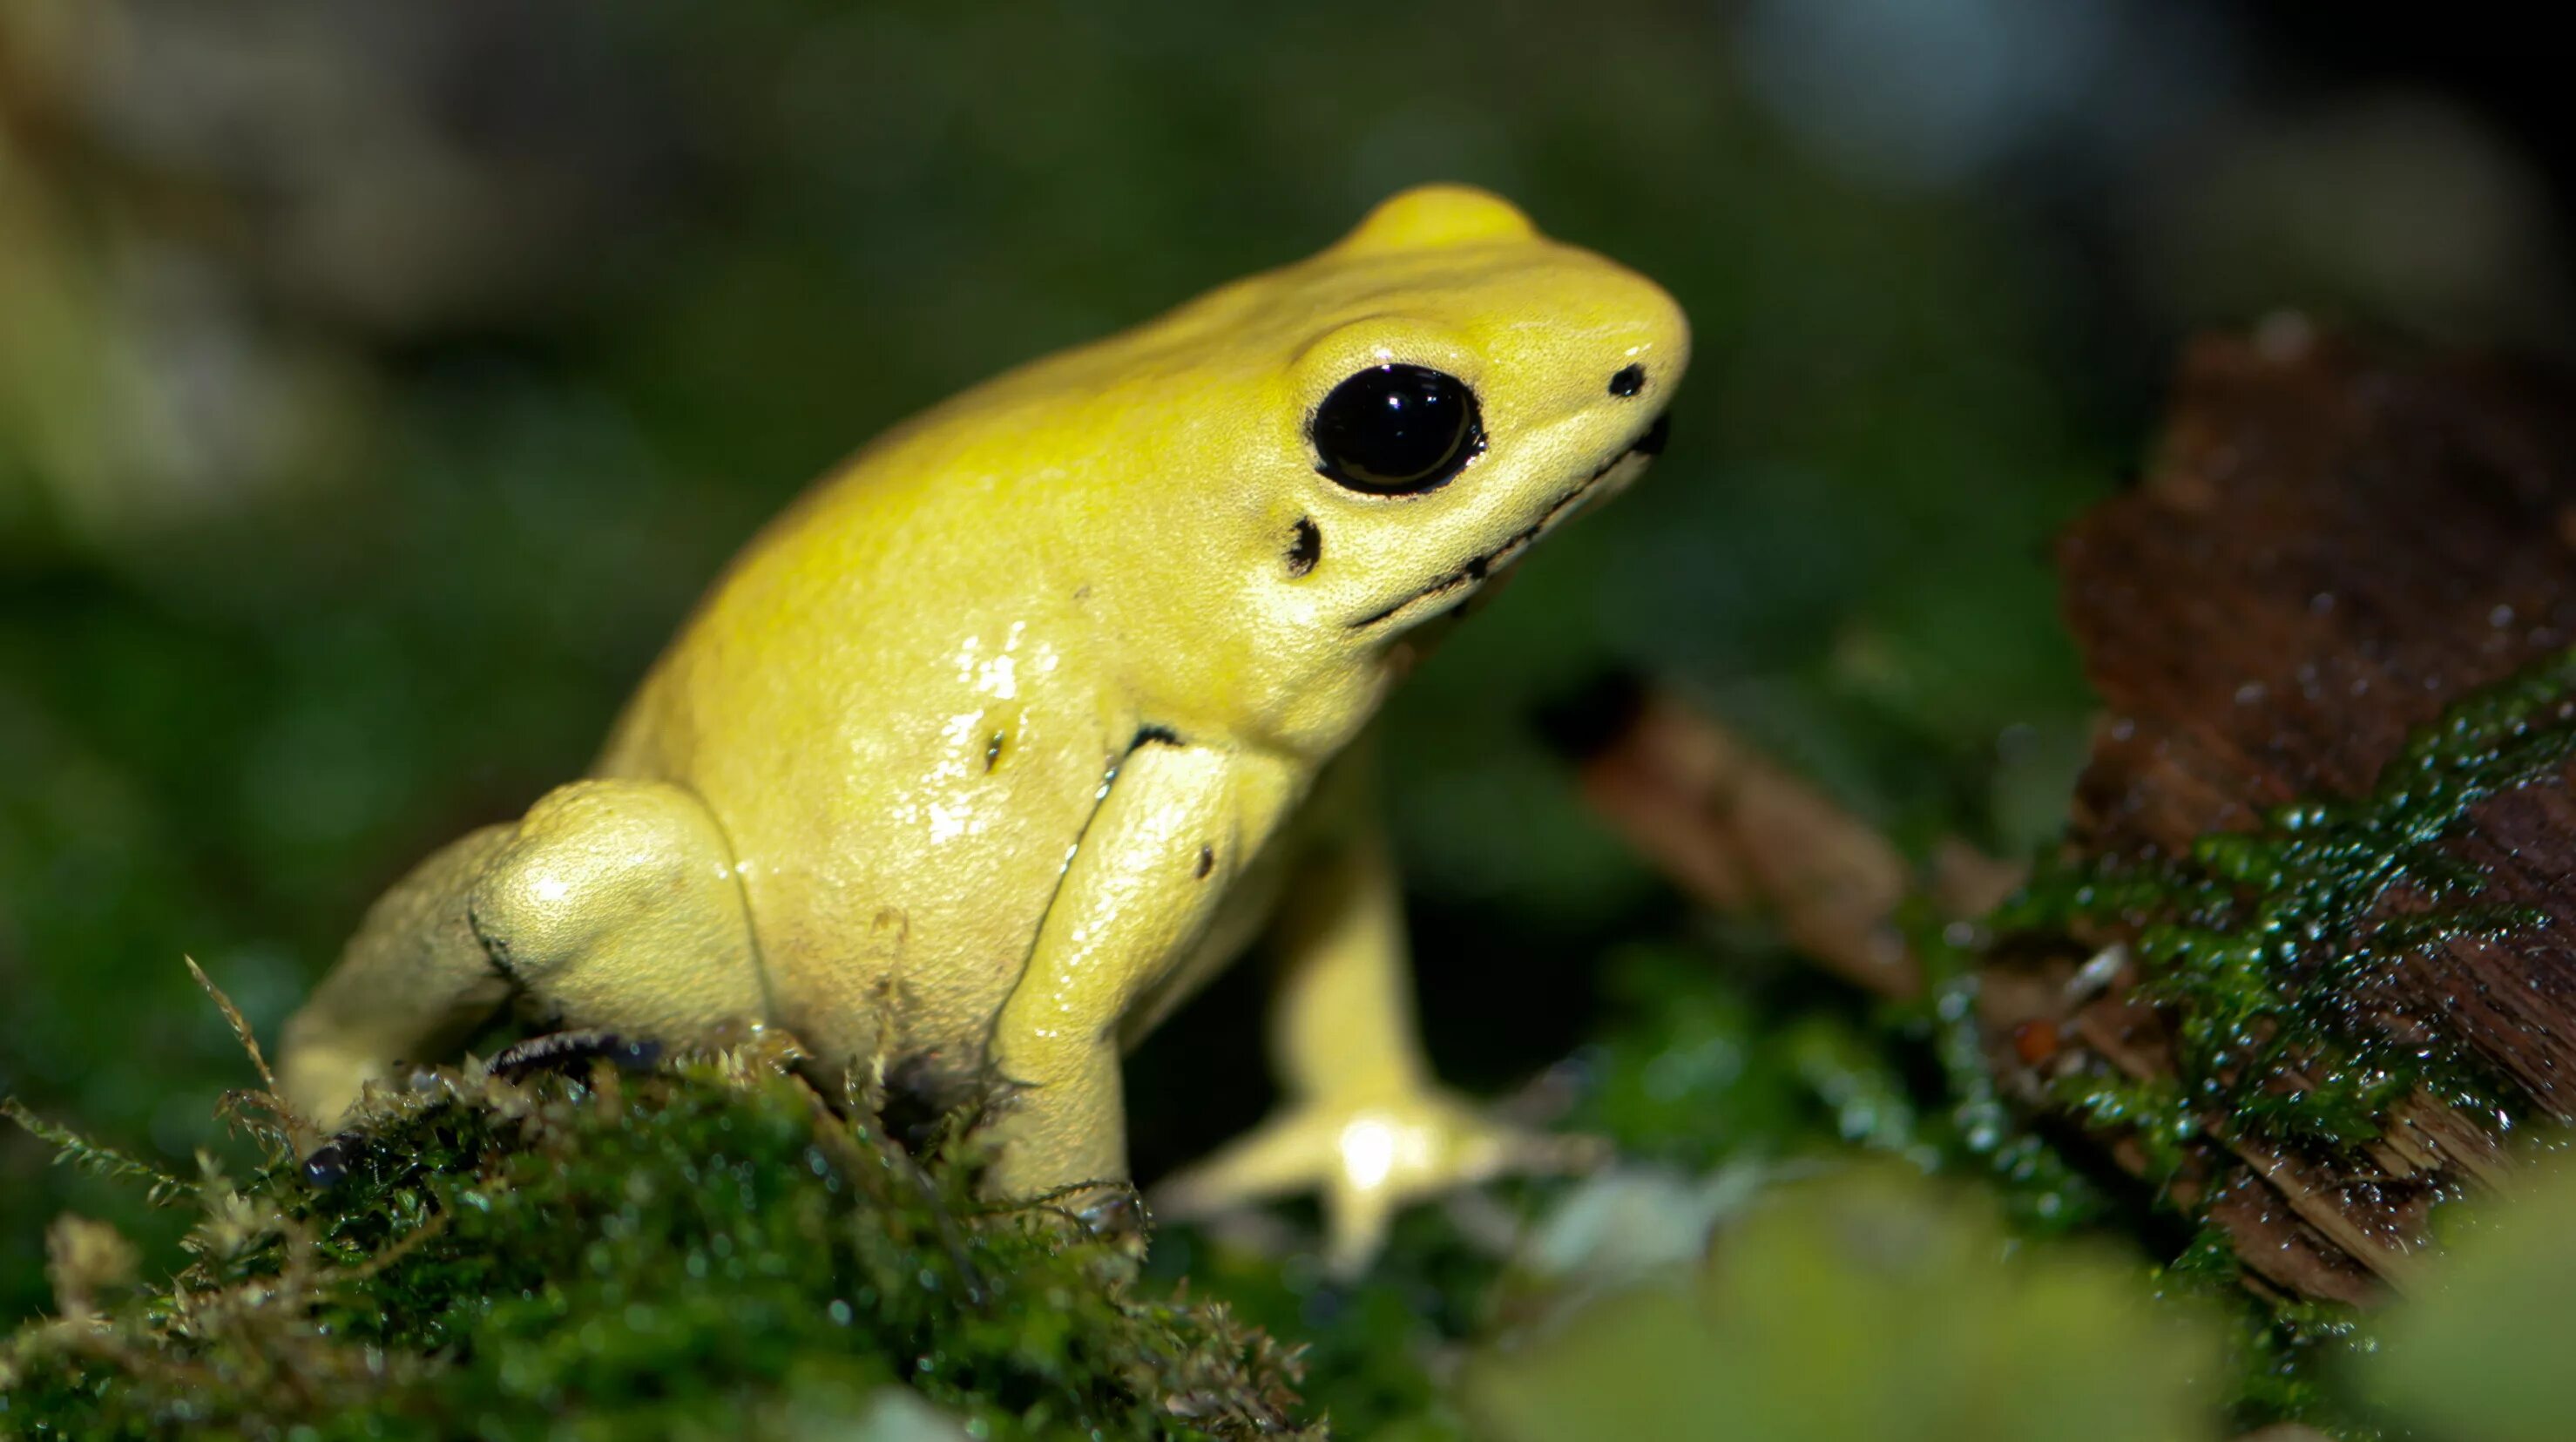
[[2480, 1352], [1870, 1305]]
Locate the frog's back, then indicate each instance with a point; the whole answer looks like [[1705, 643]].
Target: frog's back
[[891, 725]]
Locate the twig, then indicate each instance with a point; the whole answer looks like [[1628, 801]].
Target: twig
[[1740, 834], [241, 1028]]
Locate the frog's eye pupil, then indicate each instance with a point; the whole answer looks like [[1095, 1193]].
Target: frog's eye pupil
[[1396, 430]]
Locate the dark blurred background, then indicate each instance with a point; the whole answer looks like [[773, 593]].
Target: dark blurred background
[[379, 383]]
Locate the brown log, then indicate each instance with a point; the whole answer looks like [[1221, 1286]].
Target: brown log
[[2331, 550]]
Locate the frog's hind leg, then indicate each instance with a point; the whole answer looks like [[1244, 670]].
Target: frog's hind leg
[[413, 982], [615, 903]]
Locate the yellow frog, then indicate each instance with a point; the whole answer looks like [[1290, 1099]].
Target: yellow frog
[[994, 747]]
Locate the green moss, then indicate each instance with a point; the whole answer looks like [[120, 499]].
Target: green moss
[[2286, 1362], [1370, 1348], [697, 1251], [2272, 950], [668, 1250], [1694, 1072], [1978, 1129]]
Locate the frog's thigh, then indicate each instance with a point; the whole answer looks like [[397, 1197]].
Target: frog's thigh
[[616, 903], [1140, 891]]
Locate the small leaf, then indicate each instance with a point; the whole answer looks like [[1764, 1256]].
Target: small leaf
[[1869, 1305], [2480, 1352]]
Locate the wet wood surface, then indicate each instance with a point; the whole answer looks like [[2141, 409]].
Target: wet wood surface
[[2329, 549]]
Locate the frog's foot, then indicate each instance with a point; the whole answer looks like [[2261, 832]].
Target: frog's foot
[[323, 1082], [1367, 1158]]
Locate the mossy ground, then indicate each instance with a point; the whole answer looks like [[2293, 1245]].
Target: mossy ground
[[706, 1249], [708, 1246]]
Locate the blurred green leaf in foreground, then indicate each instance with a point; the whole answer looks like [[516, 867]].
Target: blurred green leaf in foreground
[[2482, 1353], [1867, 1305]]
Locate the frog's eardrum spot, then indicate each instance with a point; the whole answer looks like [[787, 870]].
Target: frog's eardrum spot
[[1305, 548]]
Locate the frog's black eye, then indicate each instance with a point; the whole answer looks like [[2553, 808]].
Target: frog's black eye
[[1396, 430]]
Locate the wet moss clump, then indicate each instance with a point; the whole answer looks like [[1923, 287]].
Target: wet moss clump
[[2275, 950], [1981, 1131], [707, 1249]]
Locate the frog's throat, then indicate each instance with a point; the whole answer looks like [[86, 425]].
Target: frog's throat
[[1477, 568]]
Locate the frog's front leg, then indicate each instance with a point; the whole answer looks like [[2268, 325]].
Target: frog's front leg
[[613, 902], [1138, 893], [1364, 1122]]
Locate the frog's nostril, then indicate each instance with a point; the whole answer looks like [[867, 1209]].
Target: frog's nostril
[[1627, 381], [1652, 442]]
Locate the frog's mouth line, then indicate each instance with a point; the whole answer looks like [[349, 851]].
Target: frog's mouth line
[[1479, 567]]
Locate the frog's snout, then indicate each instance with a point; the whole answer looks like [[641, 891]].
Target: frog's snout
[[1652, 442]]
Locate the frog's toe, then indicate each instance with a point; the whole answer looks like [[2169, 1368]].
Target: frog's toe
[[323, 1082], [1366, 1160]]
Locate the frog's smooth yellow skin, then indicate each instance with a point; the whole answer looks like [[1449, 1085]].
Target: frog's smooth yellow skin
[[1011, 732]]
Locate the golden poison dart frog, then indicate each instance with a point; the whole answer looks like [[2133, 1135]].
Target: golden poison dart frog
[[1017, 727]]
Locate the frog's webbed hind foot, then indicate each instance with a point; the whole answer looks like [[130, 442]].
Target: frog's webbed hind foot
[[613, 902], [1367, 1158]]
